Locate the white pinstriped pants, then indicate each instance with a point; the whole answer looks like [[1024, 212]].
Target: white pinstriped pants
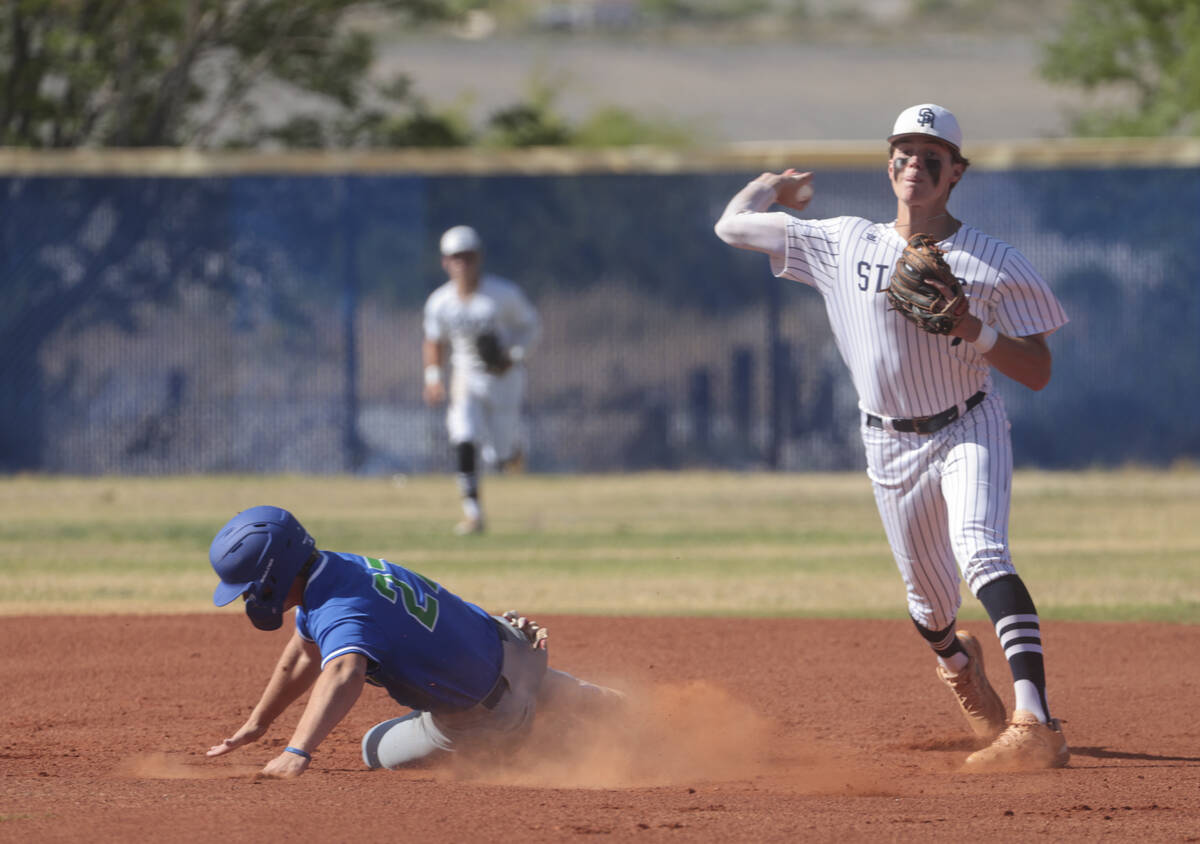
[[486, 410], [944, 499]]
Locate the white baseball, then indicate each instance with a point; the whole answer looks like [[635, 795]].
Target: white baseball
[[792, 193]]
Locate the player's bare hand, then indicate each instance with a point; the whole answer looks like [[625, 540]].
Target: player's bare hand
[[965, 325], [968, 326], [285, 766], [435, 394], [246, 734], [793, 189]]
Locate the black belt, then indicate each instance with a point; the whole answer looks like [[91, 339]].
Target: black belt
[[927, 424], [497, 692]]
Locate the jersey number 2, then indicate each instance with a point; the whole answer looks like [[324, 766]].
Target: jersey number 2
[[392, 587]]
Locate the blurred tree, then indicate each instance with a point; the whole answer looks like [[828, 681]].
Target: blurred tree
[[215, 73], [535, 122], [612, 126], [1148, 48], [78, 73]]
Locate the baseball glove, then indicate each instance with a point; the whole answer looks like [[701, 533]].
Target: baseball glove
[[495, 358], [537, 635], [924, 290]]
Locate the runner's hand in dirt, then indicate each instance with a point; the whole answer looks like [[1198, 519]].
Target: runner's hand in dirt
[[247, 733], [285, 766]]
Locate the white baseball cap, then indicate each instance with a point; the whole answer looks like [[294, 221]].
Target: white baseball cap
[[928, 119], [461, 239]]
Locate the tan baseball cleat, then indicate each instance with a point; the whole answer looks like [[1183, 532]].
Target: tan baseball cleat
[[468, 527], [978, 700], [1027, 745]]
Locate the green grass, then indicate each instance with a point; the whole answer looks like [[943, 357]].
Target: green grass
[[1096, 546]]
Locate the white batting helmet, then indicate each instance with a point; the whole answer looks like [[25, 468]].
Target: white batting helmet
[[461, 239], [928, 119]]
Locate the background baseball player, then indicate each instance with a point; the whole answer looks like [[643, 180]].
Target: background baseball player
[[936, 435], [490, 327], [470, 677]]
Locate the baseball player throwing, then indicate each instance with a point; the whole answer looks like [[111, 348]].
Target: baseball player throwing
[[490, 327], [471, 679], [936, 435]]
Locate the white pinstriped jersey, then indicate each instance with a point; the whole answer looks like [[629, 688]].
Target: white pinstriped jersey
[[496, 306], [898, 370]]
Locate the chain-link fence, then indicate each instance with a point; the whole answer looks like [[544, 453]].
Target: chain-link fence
[[242, 322]]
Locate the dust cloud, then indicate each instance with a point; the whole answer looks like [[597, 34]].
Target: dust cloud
[[677, 734], [165, 766]]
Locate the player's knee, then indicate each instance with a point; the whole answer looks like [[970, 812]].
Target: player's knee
[[401, 741], [986, 567]]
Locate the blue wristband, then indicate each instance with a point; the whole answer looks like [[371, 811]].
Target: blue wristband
[[298, 752]]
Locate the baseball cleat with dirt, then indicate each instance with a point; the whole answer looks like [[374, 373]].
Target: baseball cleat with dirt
[[979, 702], [1027, 745], [468, 527]]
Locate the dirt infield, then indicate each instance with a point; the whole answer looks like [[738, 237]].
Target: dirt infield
[[764, 730]]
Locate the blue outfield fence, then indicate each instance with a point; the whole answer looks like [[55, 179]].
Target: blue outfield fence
[[241, 322]]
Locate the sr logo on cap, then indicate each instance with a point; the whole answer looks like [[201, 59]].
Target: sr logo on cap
[[928, 119]]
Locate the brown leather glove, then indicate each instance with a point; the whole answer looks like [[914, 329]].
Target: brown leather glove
[[924, 290], [494, 356], [534, 632]]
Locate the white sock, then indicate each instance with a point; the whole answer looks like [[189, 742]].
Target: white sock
[[955, 662], [471, 509], [1027, 698]]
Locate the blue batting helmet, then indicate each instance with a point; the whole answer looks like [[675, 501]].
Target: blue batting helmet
[[257, 555]]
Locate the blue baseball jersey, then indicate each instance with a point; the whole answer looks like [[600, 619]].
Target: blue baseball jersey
[[429, 648]]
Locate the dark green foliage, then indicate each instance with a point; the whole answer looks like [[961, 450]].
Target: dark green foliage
[[1143, 55], [174, 72], [196, 73], [528, 125]]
